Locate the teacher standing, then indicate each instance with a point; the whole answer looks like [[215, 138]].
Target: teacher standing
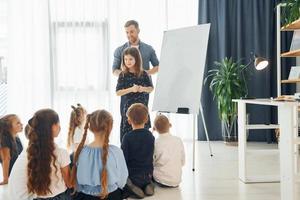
[[147, 53]]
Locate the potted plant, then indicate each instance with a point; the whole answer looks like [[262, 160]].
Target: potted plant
[[290, 11], [227, 82]]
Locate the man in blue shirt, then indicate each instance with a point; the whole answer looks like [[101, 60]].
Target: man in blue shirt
[[147, 52]]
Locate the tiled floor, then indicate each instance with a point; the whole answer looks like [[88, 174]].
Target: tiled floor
[[216, 178]]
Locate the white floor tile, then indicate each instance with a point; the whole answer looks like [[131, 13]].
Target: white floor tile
[[216, 178]]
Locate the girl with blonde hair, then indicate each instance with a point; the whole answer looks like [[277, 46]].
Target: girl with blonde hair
[[76, 125]]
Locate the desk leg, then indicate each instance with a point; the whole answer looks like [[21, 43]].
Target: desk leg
[[242, 141], [288, 120]]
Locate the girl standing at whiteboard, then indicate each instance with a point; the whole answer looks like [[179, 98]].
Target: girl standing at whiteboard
[[133, 84]]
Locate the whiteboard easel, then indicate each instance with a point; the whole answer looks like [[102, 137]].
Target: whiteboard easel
[[180, 76]]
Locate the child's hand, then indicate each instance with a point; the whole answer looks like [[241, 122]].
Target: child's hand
[[141, 89], [135, 88], [4, 182]]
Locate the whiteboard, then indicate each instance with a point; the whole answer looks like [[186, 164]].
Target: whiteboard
[[181, 68]]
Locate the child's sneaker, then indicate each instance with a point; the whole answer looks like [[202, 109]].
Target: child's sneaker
[[149, 189]]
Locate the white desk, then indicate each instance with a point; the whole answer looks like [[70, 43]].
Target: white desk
[[288, 124]]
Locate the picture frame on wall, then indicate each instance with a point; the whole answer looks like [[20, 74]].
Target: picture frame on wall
[[295, 45], [294, 73]]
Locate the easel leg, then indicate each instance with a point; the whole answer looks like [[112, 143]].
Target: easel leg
[[206, 133], [194, 134], [194, 139]]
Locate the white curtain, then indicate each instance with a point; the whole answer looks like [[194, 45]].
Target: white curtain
[[3, 57], [79, 51], [28, 57], [61, 51]]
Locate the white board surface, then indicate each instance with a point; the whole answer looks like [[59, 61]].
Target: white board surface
[[181, 68]]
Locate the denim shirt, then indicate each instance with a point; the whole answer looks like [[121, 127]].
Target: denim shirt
[[147, 52]]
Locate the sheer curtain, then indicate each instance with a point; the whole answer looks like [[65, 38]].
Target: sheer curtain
[[3, 56], [28, 57], [61, 51], [79, 51]]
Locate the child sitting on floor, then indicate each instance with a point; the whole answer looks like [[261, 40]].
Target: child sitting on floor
[[138, 148], [169, 156]]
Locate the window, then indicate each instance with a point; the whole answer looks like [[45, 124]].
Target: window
[[80, 72], [79, 56], [3, 56]]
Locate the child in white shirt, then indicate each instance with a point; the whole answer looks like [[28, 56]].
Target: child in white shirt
[[169, 156], [42, 171]]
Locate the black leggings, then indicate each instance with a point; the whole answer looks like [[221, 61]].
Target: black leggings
[[115, 195]]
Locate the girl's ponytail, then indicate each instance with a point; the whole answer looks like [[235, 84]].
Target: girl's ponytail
[[77, 153], [104, 155]]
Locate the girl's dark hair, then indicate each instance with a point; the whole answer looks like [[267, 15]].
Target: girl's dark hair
[[76, 119], [134, 52], [98, 121], [27, 130], [5, 131], [40, 151]]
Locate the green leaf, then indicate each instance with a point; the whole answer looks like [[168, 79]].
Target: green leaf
[[227, 81], [290, 12]]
